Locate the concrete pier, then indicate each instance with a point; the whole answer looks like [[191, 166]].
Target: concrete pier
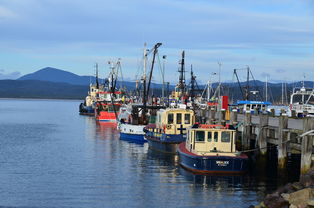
[[282, 131]]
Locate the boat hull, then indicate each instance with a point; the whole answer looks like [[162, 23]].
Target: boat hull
[[106, 117], [132, 137], [132, 132], [167, 143], [86, 110], [212, 164]]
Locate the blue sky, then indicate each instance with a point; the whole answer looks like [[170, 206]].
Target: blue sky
[[273, 37]]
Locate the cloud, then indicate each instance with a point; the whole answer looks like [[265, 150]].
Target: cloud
[[266, 34], [281, 70], [11, 75], [6, 13]]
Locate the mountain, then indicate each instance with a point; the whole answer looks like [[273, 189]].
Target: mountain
[[61, 76], [57, 75]]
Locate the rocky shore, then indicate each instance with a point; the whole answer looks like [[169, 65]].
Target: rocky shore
[[293, 195]]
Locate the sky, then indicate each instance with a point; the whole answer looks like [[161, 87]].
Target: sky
[[275, 38]]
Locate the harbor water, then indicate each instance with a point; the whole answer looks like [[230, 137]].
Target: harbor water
[[53, 157]]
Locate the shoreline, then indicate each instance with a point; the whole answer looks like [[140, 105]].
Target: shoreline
[[292, 195]]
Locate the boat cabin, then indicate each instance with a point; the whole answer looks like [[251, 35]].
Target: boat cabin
[[211, 140], [108, 96], [175, 120], [252, 106]]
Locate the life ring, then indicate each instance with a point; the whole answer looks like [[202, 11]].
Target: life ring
[[168, 126]]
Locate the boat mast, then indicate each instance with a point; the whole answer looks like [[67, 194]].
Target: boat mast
[[219, 93], [97, 83], [247, 93], [266, 92], [163, 78], [144, 73], [182, 74], [282, 93], [146, 92]]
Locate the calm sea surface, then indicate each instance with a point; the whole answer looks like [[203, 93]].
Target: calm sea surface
[[50, 156]]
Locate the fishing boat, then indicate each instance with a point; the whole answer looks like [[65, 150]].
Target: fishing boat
[[107, 109], [252, 106], [252, 99], [211, 149], [302, 101], [140, 114], [93, 95], [170, 128]]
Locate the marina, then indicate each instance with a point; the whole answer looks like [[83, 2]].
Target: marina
[[165, 104], [70, 160]]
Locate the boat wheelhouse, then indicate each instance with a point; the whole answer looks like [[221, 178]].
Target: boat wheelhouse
[[107, 111], [302, 101], [169, 129], [211, 149]]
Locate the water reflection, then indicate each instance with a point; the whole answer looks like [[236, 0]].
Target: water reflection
[[215, 180]]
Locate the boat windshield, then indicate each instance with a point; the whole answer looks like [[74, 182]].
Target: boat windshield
[[225, 136], [209, 136], [309, 99], [200, 136], [179, 118], [187, 118], [170, 118]]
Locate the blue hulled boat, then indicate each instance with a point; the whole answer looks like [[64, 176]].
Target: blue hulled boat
[[211, 149], [170, 128]]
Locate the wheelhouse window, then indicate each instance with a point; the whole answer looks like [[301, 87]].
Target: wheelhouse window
[[200, 136], [170, 118], [179, 118], [225, 137], [215, 136], [209, 136], [187, 119]]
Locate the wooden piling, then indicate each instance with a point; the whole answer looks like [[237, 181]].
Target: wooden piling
[[282, 140], [247, 130], [307, 145], [262, 139]]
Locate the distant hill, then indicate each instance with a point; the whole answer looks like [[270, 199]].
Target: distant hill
[[57, 75], [61, 76]]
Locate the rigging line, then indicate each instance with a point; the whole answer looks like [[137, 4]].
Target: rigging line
[[160, 66]]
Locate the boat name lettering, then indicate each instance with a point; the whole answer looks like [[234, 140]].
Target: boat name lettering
[[222, 163]]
